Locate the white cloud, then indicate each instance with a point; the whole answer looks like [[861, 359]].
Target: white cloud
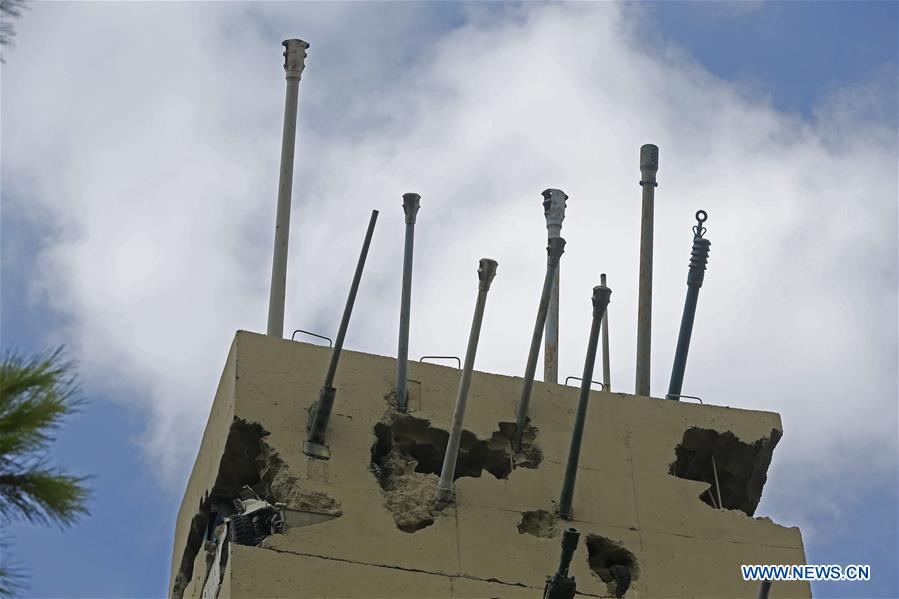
[[150, 135]]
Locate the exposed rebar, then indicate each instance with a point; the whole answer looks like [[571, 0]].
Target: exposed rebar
[[554, 251], [411, 203], [321, 410], [554, 211], [601, 295], [699, 258], [445, 492], [649, 166], [294, 63]]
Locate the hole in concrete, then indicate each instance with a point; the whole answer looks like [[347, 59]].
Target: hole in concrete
[[407, 458], [540, 523], [246, 461], [742, 468], [612, 563]]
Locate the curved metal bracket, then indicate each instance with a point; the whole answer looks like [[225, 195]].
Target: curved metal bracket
[[328, 339], [674, 396], [456, 358], [577, 378]]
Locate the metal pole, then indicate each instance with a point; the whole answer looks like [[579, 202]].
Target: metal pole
[[554, 252], [562, 586], [764, 589], [321, 410], [411, 203], [444, 495], [606, 374], [601, 295], [554, 211], [699, 258], [294, 63], [649, 166]]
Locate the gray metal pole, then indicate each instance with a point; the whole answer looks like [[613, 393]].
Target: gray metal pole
[[321, 410], [606, 374], [554, 211], [554, 252], [649, 166], [444, 495], [601, 297], [699, 258], [294, 63], [764, 589], [411, 203]]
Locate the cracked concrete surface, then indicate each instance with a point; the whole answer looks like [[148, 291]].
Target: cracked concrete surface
[[476, 548]]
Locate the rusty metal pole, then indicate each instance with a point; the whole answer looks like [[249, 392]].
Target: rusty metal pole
[[601, 295], [649, 166], [554, 252], [445, 492], [294, 63], [320, 412], [554, 211], [606, 374], [699, 258], [411, 203]]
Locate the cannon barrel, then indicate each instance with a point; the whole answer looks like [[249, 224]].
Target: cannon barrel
[[294, 63], [699, 258], [601, 295], [554, 251], [649, 166], [411, 203], [320, 412], [445, 492], [554, 203]]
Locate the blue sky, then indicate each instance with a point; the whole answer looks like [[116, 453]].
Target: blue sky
[[824, 72]]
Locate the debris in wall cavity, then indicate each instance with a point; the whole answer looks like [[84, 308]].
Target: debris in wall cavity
[[407, 457], [612, 563], [248, 461], [540, 523], [741, 468]]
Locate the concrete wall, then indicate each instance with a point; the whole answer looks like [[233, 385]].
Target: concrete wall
[[681, 546]]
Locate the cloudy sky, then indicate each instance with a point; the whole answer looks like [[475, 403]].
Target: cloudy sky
[[140, 148]]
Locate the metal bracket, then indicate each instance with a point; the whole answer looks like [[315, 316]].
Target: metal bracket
[[328, 339], [456, 358], [672, 396], [577, 378]]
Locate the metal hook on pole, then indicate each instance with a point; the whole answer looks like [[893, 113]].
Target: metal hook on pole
[[699, 258], [445, 491], [320, 412]]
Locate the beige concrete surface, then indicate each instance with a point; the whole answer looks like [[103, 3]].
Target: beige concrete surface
[[683, 547]]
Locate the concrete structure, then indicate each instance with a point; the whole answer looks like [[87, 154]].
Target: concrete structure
[[364, 523]]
